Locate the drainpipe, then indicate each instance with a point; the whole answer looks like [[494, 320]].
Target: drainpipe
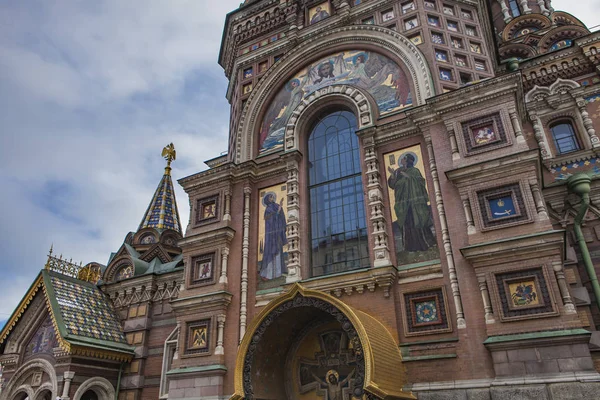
[[119, 382], [580, 185]]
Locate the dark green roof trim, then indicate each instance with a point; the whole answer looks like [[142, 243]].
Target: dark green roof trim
[[204, 368], [100, 344], [428, 358], [536, 335], [51, 297]]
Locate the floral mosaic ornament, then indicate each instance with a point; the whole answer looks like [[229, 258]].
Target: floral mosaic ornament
[[590, 166], [426, 312]]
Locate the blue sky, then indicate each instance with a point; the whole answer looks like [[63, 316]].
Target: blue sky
[[90, 92]]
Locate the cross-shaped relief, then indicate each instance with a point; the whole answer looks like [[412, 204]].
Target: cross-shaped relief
[[332, 371]]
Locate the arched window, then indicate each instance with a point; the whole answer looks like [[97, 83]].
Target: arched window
[[564, 137], [514, 8], [89, 395], [337, 210]]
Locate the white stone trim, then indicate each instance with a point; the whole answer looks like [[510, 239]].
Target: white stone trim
[[101, 386], [9, 391]]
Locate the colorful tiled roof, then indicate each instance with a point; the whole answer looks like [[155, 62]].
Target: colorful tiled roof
[[85, 310], [83, 316], [162, 212]]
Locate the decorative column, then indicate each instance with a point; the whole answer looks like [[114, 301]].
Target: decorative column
[[460, 316], [540, 207], [381, 250], [227, 211], [224, 259], [485, 296], [220, 328], [525, 7], [453, 144], [245, 251], [514, 119], [563, 287], [543, 9], [587, 122], [294, 273], [538, 129], [469, 216], [507, 16], [68, 376]]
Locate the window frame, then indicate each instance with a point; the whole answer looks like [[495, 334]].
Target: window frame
[[318, 118], [574, 135]]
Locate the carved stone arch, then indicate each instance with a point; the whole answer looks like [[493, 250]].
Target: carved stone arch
[[538, 21], [374, 38], [560, 86], [16, 383], [25, 389], [560, 33], [45, 387], [518, 50], [561, 18], [101, 386], [122, 262], [359, 101], [372, 344]]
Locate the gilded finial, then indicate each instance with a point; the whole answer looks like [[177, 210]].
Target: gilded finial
[[170, 155]]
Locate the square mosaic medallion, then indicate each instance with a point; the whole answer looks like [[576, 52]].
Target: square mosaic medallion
[[524, 294], [207, 210], [198, 337], [502, 206], [426, 312]]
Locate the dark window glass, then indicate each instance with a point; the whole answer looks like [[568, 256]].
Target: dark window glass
[[514, 8], [564, 137], [337, 210]]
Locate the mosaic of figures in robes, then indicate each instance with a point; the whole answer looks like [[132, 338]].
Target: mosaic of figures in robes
[[379, 75], [329, 373], [412, 218], [44, 340], [319, 13], [272, 239]]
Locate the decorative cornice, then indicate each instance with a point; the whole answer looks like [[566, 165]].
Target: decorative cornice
[[355, 281], [214, 300]]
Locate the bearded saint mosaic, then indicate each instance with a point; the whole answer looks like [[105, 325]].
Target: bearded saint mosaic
[[375, 73], [412, 218], [272, 239]]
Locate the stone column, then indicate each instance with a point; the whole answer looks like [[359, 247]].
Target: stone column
[[227, 212], [453, 144], [587, 122], [485, 296], [224, 259], [293, 222], [514, 119], [507, 16], [381, 250], [469, 216], [220, 328], [543, 9], [68, 377], [460, 316], [245, 251], [564, 288], [524, 7], [539, 202], [538, 129]]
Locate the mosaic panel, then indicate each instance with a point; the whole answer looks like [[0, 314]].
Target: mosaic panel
[[272, 237], [319, 12], [44, 339], [503, 205], [484, 133], [408, 195], [207, 210], [373, 72], [198, 337], [86, 311], [426, 312], [203, 268], [523, 293]]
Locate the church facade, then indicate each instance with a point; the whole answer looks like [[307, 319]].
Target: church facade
[[408, 209]]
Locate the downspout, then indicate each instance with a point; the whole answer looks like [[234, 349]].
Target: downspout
[[119, 382], [580, 185]]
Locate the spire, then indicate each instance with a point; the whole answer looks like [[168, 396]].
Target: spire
[[162, 212]]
